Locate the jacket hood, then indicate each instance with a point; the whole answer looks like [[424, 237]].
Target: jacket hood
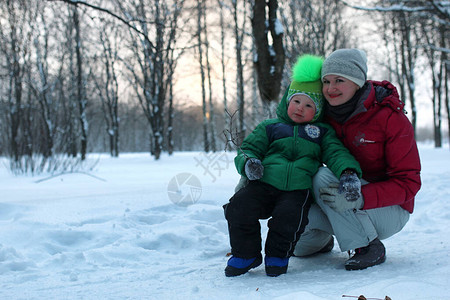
[[385, 94]]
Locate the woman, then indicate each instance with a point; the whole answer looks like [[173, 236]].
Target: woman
[[368, 118]]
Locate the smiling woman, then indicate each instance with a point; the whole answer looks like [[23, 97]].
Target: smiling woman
[[340, 79]]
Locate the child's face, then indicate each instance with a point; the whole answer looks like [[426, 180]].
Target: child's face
[[301, 109]]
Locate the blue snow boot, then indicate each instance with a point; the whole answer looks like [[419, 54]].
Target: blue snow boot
[[237, 266], [276, 266]]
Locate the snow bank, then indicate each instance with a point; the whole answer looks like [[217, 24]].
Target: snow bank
[[118, 235]]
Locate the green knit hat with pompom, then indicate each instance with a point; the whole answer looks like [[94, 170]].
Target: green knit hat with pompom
[[306, 81]]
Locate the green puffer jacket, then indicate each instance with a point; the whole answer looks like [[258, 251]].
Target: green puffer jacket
[[292, 153]]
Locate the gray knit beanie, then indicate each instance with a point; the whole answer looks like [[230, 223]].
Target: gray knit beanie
[[348, 63]]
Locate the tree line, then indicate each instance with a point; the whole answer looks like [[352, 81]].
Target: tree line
[[84, 76]]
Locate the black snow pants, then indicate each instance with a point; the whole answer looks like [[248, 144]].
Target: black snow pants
[[289, 216]]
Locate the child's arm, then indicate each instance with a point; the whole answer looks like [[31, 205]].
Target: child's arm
[[255, 145], [336, 156]]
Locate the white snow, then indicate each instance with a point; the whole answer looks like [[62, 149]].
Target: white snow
[[279, 29], [119, 236]]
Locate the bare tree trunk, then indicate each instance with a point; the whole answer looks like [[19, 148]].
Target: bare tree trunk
[[71, 107], [171, 64], [152, 63], [15, 104], [224, 80], [202, 73], [15, 74], [29, 138], [67, 87], [270, 58], [409, 54], [170, 144], [398, 54], [108, 89], [438, 89], [44, 96], [160, 84], [447, 99], [212, 119], [239, 36], [436, 101], [436, 81], [81, 100], [446, 66]]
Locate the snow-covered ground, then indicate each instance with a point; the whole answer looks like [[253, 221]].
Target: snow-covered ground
[[118, 234]]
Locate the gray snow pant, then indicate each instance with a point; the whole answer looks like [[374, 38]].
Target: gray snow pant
[[352, 229]]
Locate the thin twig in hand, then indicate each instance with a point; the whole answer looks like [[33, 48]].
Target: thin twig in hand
[[231, 137]]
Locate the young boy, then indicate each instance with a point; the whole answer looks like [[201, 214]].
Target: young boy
[[279, 158]]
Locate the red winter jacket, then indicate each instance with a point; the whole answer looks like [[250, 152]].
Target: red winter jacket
[[381, 138]]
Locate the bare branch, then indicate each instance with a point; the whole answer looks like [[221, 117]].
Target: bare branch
[[131, 26], [232, 137], [434, 8], [391, 8]]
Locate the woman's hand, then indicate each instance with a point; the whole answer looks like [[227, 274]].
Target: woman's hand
[[338, 200], [345, 195]]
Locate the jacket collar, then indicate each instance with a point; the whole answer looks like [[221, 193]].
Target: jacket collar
[[381, 93]]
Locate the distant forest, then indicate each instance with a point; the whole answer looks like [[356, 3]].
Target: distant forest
[[177, 75]]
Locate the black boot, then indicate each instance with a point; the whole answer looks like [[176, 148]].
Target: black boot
[[237, 266], [368, 256]]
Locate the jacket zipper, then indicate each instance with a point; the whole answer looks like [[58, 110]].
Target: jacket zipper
[[289, 165]]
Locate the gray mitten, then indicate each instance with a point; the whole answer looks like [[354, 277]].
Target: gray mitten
[[338, 201], [254, 169], [350, 185]]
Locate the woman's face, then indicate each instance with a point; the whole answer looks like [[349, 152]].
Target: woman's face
[[337, 89]]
